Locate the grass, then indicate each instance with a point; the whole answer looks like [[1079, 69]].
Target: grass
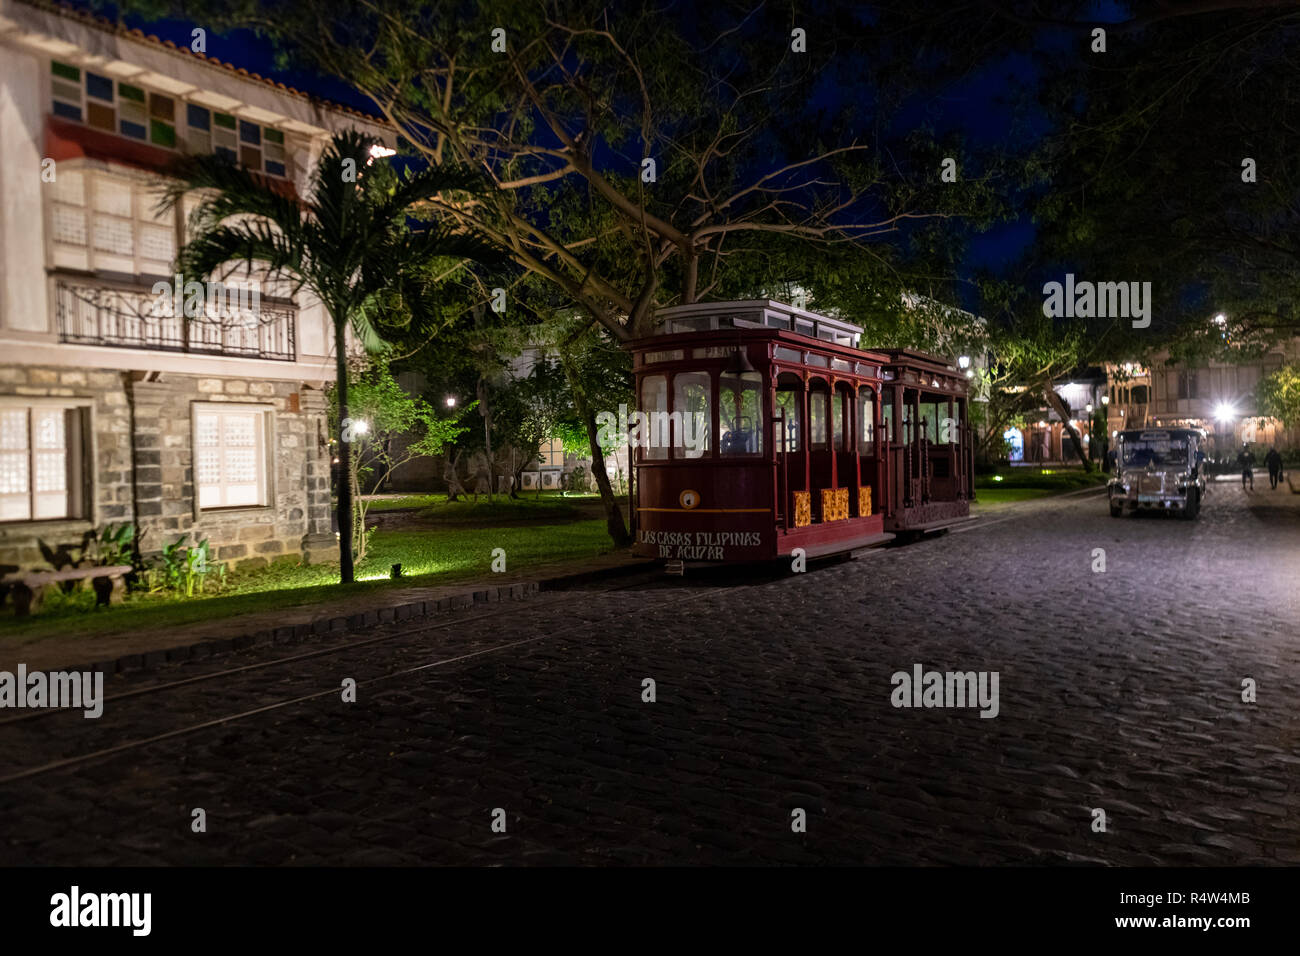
[[999, 496], [1047, 479], [468, 511], [460, 549]]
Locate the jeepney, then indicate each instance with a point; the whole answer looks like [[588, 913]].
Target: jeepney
[[1158, 469]]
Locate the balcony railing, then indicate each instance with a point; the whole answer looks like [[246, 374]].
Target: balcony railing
[[135, 319]]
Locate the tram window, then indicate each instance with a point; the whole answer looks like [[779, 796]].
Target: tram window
[[866, 427], [740, 414], [651, 435], [817, 420], [840, 433], [789, 404], [887, 412], [692, 417], [930, 413]]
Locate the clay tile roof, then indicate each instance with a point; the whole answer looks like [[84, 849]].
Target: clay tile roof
[[104, 23]]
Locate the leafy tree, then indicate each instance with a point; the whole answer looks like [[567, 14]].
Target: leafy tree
[[390, 427], [1278, 395], [349, 240], [583, 98]]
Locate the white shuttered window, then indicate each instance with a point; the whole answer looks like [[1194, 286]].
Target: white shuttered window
[[41, 462], [230, 457]]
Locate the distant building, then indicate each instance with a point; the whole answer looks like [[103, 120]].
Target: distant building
[[1216, 396]]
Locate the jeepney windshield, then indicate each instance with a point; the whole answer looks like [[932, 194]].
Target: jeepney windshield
[[1140, 453]]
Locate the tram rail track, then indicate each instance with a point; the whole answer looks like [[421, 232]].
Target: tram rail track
[[64, 763]]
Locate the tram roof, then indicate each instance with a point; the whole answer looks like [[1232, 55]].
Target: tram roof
[[757, 314]]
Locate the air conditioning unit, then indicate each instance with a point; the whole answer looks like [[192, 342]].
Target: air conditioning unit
[[550, 479], [530, 479]]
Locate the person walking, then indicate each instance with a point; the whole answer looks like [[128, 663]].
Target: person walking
[[1247, 462], [1273, 461]]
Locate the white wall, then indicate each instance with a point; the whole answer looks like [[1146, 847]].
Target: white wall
[[23, 303]]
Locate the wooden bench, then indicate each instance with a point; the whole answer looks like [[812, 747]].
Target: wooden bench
[[28, 587]]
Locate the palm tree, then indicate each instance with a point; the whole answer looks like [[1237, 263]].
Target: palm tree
[[350, 241]]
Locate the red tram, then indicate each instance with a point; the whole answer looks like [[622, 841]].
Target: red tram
[[762, 428]]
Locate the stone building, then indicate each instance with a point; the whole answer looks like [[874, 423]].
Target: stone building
[[115, 405], [1216, 396]]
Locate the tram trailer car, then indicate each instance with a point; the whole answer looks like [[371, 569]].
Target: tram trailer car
[[762, 428]]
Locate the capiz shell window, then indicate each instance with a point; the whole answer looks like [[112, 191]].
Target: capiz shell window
[[42, 459], [230, 455]]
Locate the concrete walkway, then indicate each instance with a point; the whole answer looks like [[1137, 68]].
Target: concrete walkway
[[144, 648]]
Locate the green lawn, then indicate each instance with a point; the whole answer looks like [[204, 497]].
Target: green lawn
[[1024, 484], [1047, 479], [1000, 496], [467, 511], [429, 556]]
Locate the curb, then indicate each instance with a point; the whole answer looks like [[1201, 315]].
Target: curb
[[361, 620]]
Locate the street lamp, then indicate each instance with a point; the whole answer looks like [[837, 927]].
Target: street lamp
[[451, 401], [1105, 399], [963, 361], [1224, 412]]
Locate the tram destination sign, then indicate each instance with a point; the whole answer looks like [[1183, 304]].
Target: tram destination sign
[[700, 545]]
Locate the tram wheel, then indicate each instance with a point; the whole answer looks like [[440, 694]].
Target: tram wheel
[[1193, 507]]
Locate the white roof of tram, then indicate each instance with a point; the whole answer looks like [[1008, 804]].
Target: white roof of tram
[[756, 314]]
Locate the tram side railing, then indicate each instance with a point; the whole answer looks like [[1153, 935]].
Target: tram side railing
[[907, 450], [781, 475], [924, 452]]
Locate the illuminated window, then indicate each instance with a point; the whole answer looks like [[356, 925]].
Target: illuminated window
[[230, 460], [693, 414], [740, 414], [162, 121], [789, 404], [224, 140], [817, 420], [132, 117], [65, 85], [653, 439], [101, 107], [866, 425], [273, 151], [42, 462]]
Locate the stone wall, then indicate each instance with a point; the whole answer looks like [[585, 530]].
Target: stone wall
[[143, 459]]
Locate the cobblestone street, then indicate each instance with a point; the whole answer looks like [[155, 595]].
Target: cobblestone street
[[1119, 691]]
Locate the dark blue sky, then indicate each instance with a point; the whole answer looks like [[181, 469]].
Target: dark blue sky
[[979, 108]]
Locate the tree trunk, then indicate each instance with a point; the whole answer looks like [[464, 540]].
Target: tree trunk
[[1059, 406], [485, 410], [614, 523], [691, 280], [345, 455]]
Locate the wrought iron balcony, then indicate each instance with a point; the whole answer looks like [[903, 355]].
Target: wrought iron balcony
[[133, 318]]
